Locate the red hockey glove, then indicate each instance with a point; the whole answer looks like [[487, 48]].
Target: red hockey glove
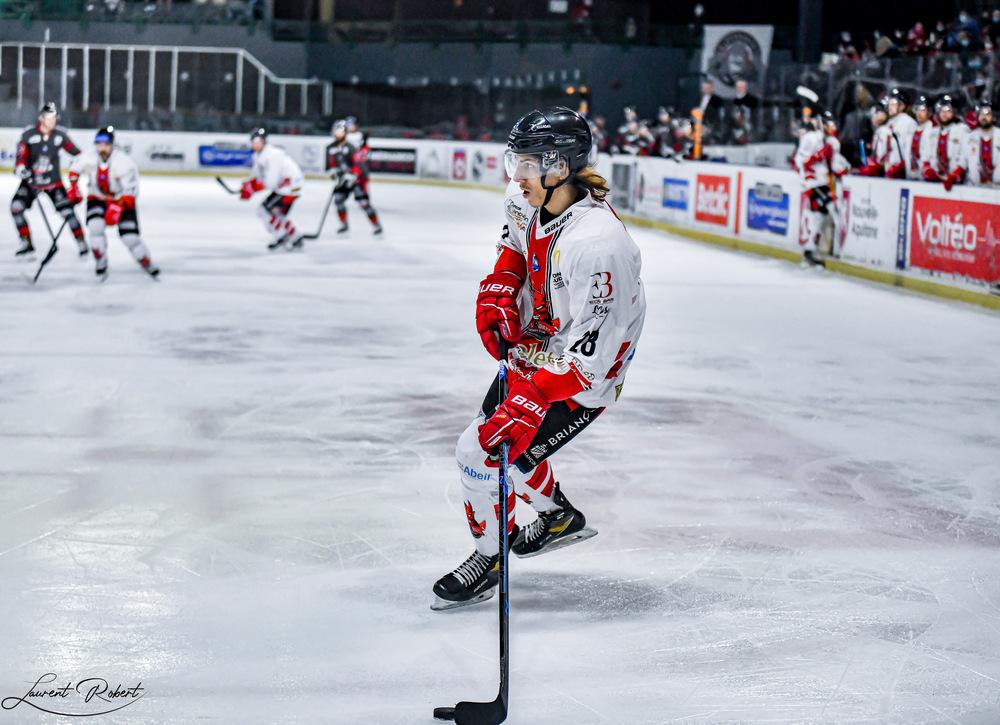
[[955, 177], [930, 174], [871, 169], [113, 213], [896, 171], [496, 310], [249, 188], [515, 421], [73, 194]]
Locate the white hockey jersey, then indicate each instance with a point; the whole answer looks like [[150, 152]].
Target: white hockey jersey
[[982, 157], [920, 149], [815, 168], [901, 128], [879, 152], [356, 139], [277, 171], [946, 146], [111, 179], [583, 299]]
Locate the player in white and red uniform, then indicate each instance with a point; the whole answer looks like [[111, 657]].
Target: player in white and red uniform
[[878, 154], [901, 128], [982, 149], [821, 167], [274, 171], [566, 291], [947, 142], [112, 190], [919, 142]]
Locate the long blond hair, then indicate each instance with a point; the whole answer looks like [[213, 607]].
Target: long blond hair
[[588, 178]]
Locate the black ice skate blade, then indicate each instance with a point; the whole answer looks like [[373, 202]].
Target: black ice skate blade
[[474, 713], [444, 605], [581, 535]]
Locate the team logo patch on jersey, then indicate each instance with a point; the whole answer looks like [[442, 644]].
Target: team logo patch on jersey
[[516, 215], [538, 451], [601, 287], [478, 528], [534, 263]]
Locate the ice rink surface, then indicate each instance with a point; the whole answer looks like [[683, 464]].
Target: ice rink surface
[[237, 485]]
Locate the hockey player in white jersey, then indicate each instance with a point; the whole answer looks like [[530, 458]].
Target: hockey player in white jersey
[[901, 128], [566, 292], [920, 141], [112, 190], [274, 171], [821, 167], [878, 155], [947, 143], [982, 149]]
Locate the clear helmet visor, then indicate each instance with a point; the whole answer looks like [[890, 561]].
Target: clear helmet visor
[[537, 165]]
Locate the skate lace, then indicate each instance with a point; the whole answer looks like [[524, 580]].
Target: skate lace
[[536, 528], [472, 568]]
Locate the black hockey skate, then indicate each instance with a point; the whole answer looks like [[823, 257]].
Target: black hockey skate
[[296, 245], [474, 581], [25, 250], [809, 257], [553, 530], [277, 243], [378, 231], [343, 228], [82, 246], [102, 273]]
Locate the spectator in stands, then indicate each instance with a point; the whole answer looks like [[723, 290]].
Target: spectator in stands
[[992, 29], [916, 39], [710, 103], [744, 97]]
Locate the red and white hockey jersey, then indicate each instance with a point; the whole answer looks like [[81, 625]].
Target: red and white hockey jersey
[[900, 134], [947, 148], [583, 298], [277, 171], [111, 179], [920, 149], [982, 157], [816, 157]]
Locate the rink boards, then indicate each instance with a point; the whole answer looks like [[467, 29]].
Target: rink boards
[[904, 232]]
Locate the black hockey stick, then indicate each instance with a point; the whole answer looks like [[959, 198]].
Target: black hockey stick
[[226, 186], [322, 219], [495, 712], [55, 239]]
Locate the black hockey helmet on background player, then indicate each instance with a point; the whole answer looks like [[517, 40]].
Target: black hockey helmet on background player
[[897, 101], [829, 123], [945, 104], [555, 140], [258, 137], [48, 116], [984, 112]]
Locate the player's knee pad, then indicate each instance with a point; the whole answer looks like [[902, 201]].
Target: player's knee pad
[[132, 241], [17, 206], [96, 227]]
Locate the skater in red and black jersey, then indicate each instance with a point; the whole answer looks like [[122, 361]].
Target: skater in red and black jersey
[[348, 167], [37, 165]]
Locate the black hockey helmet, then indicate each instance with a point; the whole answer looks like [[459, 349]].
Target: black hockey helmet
[[984, 104], [554, 135], [898, 94], [47, 108], [944, 102], [259, 132], [921, 102], [105, 134], [828, 119]]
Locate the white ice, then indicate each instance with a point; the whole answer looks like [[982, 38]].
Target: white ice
[[236, 485]]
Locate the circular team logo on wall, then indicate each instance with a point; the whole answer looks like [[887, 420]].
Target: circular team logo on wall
[[737, 54]]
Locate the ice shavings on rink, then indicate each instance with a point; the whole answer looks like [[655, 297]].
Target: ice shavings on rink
[[237, 485]]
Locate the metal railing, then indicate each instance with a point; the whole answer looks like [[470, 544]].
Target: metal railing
[[150, 78]]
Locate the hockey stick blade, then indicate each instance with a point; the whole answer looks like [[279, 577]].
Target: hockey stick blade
[[474, 713], [322, 221], [226, 186]]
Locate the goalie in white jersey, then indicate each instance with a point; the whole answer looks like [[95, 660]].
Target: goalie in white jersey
[[276, 172], [566, 292], [112, 190]]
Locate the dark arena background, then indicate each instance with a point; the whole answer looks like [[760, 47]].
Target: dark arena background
[[240, 283]]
